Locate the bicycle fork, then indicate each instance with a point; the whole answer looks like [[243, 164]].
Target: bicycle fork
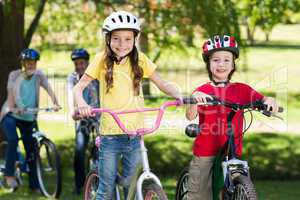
[[231, 169], [139, 178]]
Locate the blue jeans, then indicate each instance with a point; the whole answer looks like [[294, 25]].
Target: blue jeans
[[112, 149], [81, 142], [10, 124]]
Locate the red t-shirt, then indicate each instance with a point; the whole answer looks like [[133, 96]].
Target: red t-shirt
[[213, 119]]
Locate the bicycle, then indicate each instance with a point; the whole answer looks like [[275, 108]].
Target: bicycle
[[236, 174], [145, 185], [91, 126], [48, 164]]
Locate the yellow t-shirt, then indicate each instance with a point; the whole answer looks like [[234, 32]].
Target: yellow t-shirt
[[121, 96]]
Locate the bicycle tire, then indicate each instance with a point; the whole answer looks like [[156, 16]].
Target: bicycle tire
[[243, 189], [152, 191], [182, 185], [91, 185], [49, 169]]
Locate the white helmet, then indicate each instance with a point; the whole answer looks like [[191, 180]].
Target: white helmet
[[121, 20]]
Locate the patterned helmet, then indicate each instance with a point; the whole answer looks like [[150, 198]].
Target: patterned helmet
[[80, 53], [218, 43], [29, 54], [121, 20]]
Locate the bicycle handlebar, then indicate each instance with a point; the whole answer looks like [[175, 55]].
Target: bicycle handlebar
[[139, 131], [36, 110], [257, 105]]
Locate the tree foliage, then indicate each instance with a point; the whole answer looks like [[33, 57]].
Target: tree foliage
[[265, 14]]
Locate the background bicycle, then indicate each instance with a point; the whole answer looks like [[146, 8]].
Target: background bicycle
[[47, 163], [236, 174], [145, 184]]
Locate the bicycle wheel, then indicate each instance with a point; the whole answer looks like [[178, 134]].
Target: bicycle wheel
[[182, 185], [91, 185], [243, 189], [49, 169], [153, 191]]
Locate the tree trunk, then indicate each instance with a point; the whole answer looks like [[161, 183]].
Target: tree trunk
[[34, 23], [250, 34], [144, 45], [267, 35], [11, 39]]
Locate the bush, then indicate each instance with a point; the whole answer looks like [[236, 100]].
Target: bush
[[270, 156]]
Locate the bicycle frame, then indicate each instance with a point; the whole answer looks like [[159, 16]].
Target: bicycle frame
[[146, 172], [235, 171]]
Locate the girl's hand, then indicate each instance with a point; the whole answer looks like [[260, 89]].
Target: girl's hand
[[271, 103], [84, 110], [201, 97]]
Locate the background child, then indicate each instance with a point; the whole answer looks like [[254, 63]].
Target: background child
[[80, 58], [120, 69], [23, 92], [219, 54]]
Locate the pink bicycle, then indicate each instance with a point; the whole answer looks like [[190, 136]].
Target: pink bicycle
[[145, 185]]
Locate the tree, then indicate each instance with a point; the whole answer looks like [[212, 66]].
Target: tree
[[265, 14], [12, 37]]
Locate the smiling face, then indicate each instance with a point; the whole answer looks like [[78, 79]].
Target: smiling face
[[29, 66], [221, 64], [122, 42], [80, 65]]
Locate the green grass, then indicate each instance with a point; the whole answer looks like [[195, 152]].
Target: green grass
[[266, 190], [170, 153]]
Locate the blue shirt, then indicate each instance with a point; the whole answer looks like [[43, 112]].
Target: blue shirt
[[26, 97]]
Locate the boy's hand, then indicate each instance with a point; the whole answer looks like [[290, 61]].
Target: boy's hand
[[271, 103], [201, 97]]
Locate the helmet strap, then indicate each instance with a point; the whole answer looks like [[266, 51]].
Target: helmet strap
[[216, 83]]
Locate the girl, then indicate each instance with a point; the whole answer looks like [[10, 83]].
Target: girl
[[23, 92], [219, 54], [120, 69]]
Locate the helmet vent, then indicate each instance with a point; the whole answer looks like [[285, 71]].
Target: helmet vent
[[134, 20], [112, 19], [128, 19], [121, 19]]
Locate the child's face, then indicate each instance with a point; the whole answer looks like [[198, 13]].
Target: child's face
[[80, 65], [221, 64], [122, 42], [29, 66]]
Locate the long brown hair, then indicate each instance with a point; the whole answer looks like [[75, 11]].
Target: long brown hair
[[136, 69]]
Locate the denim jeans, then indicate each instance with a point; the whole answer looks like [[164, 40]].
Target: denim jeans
[[81, 142], [112, 149], [10, 124]]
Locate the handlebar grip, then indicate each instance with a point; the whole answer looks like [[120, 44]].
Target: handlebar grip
[[189, 100]]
